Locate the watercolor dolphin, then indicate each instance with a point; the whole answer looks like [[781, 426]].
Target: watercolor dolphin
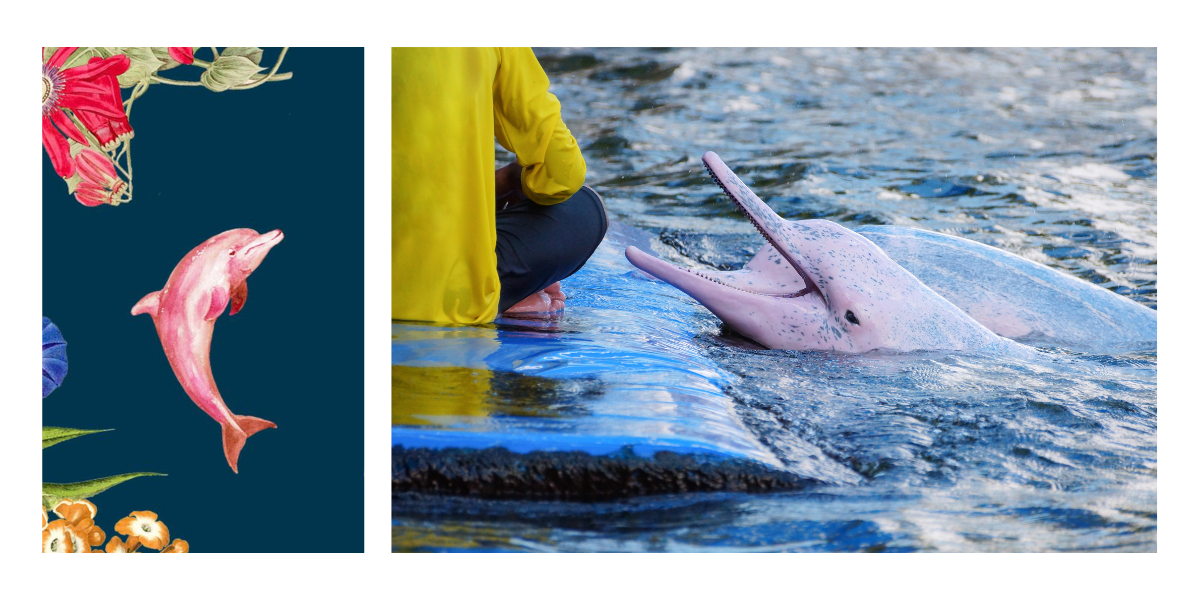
[[210, 277], [819, 286]]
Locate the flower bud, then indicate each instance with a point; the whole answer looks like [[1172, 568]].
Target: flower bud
[[99, 183], [181, 55]]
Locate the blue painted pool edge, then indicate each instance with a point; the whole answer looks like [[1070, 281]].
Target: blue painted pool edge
[[524, 443]]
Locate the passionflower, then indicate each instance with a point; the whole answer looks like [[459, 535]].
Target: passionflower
[[184, 56], [99, 182], [145, 528], [87, 91], [176, 547], [54, 357]]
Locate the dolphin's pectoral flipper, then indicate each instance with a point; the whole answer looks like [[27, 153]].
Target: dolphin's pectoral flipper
[[234, 438], [238, 297], [218, 299], [148, 304]]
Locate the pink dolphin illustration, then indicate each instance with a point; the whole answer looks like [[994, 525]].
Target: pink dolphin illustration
[[184, 312]]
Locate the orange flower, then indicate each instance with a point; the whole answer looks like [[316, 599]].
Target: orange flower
[[80, 515], [90, 532], [55, 538], [59, 538], [177, 546], [144, 527], [74, 510], [45, 517], [116, 546]]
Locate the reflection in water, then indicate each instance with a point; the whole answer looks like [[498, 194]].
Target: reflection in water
[[420, 395]]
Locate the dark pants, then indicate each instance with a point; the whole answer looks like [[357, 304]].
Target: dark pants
[[538, 245]]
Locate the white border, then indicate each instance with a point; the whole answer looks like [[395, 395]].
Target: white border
[[379, 25]]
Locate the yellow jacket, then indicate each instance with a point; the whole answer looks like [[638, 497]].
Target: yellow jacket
[[449, 106]]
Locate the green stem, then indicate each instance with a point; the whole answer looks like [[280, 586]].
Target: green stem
[[261, 79], [129, 164], [255, 83], [116, 161], [137, 92], [124, 151], [160, 79], [216, 54]]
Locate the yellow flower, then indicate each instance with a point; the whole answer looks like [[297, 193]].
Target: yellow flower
[[59, 538], [177, 546], [144, 527]]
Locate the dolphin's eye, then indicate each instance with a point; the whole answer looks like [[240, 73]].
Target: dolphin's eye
[[850, 317], [233, 252]]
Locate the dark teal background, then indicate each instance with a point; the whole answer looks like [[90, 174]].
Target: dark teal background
[[286, 155]]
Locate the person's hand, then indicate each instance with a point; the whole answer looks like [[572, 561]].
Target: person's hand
[[549, 300], [508, 186]]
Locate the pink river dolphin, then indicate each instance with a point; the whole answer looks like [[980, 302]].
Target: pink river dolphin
[[819, 286], [211, 277]]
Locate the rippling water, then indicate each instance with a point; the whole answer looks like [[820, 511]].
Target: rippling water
[[1050, 154]]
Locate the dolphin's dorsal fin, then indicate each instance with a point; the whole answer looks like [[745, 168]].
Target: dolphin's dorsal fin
[[148, 304], [239, 297], [218, 299]]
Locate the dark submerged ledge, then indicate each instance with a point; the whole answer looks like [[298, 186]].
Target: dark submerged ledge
[[498, 473]]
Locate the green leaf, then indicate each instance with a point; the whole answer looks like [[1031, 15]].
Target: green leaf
[[49, 51], [253, 54], [53, 493], [56, 435], [142, 64], [228, 71]]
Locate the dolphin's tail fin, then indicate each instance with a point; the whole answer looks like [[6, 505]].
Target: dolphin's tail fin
[[235, 437]]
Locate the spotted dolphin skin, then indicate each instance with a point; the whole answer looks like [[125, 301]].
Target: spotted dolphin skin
[[211, 277], [819, 286]]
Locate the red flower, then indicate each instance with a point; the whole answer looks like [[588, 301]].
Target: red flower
[[109, 132], [91, 92], [181, 55], [100, 184]]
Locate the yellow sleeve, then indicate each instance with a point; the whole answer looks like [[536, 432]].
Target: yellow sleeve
[[528, 122]]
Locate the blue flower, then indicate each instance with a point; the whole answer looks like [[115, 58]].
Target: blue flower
[[54, 357]]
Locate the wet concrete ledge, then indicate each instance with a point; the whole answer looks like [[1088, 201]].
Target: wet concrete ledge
[[499, 473]]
